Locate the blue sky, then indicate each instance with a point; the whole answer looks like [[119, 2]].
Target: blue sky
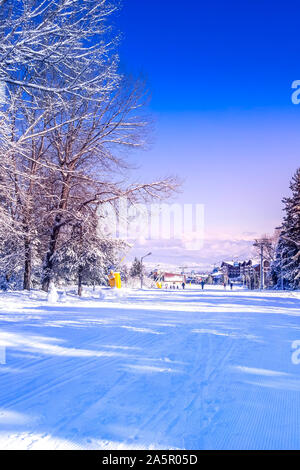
[[220, 74]]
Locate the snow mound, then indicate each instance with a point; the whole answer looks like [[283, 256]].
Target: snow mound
[[52, 295], [101, 295], [63, 297], [118, 293]]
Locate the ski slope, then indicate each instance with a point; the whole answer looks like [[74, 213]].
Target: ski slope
[[149, 369]]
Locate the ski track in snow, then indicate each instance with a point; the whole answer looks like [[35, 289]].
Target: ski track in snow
[[150, 369]]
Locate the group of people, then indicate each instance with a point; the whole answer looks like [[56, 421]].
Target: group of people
[[202, 283], [175, 286]]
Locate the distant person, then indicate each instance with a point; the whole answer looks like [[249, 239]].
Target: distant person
[[231, 285], [202, 284], [183, 285], [224, 284]]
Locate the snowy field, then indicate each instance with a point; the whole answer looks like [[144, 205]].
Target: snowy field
[[150, 369]]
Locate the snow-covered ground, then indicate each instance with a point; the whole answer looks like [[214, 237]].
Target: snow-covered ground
[[150, 369]]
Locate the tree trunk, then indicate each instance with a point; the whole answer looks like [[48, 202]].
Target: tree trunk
[[80, 281], [48, 265], [27, 265]]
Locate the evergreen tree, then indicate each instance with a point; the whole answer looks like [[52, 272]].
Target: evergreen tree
[[287, 262], [136, 268]]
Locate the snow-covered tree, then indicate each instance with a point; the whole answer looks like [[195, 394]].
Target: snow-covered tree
[[60, 47], [50, 51], [136, 269], [66, 116], [86, 157], [86, 257], [287, 262], [270, 243]]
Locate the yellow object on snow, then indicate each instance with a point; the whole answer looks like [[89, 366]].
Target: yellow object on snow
[[159, 285], [118, 280], [114, 280]]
